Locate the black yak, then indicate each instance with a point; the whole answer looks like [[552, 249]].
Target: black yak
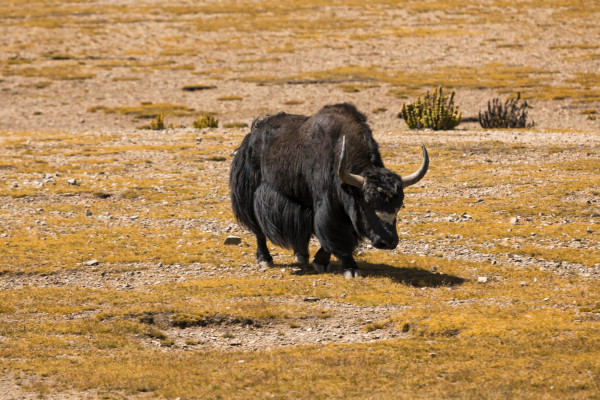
[[296, 176]]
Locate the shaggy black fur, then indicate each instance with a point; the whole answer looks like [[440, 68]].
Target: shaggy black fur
[[285, 186]]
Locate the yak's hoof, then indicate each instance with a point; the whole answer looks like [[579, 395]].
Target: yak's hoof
[[266, 264], [352, 273], [300, 259], [318, 267]]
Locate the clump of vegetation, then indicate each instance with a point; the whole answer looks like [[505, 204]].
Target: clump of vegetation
[[293, 102], [591, 114], [230, 98], [235, 125], [435, 111], [206, 121], [158, 123], [147, 110], [182, 320], [510, 115]]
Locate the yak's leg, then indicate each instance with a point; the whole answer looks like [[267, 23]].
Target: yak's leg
[[336, 237], [301, 256], [262, 252], [350, 268], [321, 260]]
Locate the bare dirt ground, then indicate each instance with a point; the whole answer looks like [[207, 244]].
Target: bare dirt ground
[[151, 58]]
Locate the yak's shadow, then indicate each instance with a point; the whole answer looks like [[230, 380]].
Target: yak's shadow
[[410, 276]]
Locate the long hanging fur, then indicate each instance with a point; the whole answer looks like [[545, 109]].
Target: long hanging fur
[[284, 221], [244, 179]]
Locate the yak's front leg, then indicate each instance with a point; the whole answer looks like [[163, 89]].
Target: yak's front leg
[[321, 260], [349, 267], [336, 234]]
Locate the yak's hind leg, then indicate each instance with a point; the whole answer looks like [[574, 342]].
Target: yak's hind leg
[[284, 221]]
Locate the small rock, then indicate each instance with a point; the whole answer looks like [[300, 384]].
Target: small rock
[[482, 279], [232, 240], [523, 283], [159, 265], [432, 355], [88, 212], [515, 220], [73, 182], [433, 268], [589, 230], [91, 263], [343, 296]]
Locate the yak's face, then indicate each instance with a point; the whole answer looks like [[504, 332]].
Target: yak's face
[[382, 198]]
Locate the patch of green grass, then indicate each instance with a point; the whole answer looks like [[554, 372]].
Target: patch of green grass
[[293, 102], [148, 110], [59, 72], [230, 98], [235, 125]]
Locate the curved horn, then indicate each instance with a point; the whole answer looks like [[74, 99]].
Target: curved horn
[[345, 176], [417, 176]]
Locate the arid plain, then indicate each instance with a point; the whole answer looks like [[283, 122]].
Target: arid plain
[[115, 281]]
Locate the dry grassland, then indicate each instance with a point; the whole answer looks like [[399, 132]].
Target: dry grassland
[[114, 279]]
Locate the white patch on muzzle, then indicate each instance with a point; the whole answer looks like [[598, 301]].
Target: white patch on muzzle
[[386, 217]]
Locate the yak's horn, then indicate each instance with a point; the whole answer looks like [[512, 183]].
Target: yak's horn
[[345, 176], [417, 176]]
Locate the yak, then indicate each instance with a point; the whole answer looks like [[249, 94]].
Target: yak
[[296, 176]]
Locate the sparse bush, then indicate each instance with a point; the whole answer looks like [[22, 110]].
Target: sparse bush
[[206, 121], [510, 115], [591, 114], [158, 123], [435, 111]]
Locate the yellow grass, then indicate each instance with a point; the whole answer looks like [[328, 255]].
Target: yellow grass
[[460, 337]]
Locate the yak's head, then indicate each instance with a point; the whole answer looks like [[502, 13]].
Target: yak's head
[[381, 197]]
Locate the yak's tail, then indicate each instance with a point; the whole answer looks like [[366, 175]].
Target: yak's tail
[[244, 179]]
